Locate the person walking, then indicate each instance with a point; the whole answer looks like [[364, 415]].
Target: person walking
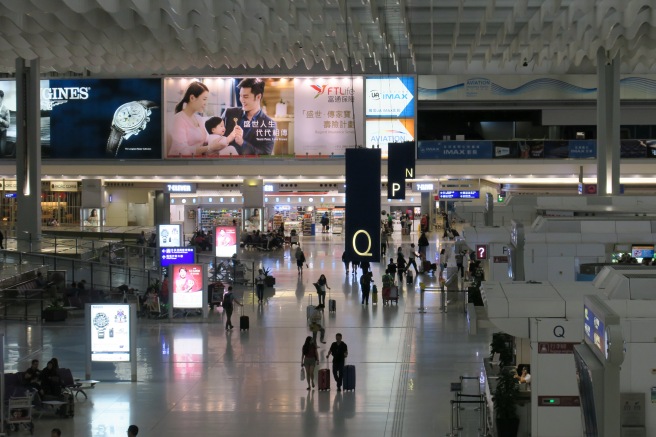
[[391, 268], [229, 302], [322, 284], [365, 285], [339, 351], [401, 266], [259, 284], [309, 359], [411, 258], [300, 259], [460, 263], [346, 262], [315, 323], [383, 242], [423, 245]]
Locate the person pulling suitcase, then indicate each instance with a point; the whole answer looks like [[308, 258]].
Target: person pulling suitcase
[[339, 351], [228, 306]]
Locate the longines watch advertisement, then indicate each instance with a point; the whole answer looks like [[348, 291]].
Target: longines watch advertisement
[[110, 332], [169, 236], [226, 241], [92, 118], [187, 285]]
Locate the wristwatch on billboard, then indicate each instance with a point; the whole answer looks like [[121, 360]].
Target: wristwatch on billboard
[[129, 119], [100, 322]]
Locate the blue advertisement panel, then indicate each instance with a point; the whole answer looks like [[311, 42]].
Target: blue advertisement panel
[[454, 150], [363, 204], [92, 119], [582, 149]]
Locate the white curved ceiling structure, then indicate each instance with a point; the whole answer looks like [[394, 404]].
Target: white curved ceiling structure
[[141, 37]]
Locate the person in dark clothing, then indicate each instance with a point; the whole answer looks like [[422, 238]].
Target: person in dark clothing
[[346, 262], [354, 266], [401, 265], [365, 284], [460, 258], [423, 245], [228, 306], [50, 380], [32, 376], [391, 267], [365, 266], [339, 351], [2, 240]]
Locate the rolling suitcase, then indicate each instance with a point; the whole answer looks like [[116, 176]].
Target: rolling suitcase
[[409, 279], [426, 266], [244, 322], [374, 295], [324, 379], [348, 381], [309, 309], [332, 305]]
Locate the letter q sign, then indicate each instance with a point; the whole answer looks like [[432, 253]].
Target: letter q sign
[[481, 251]]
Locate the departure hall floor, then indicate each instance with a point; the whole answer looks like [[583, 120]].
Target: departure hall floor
[[196, 378]]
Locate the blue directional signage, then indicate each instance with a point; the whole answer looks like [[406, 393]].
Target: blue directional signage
[[451, 194]]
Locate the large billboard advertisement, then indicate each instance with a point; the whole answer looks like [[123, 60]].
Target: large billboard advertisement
[[390, 111], [187, 285], [91, 119], [110, 332], [247, 117]]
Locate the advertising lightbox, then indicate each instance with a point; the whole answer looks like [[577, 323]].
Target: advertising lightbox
[[110, 332], [261, 116], [225, 241], [187, 285], [390, 111], [94, 118], [169, 236]]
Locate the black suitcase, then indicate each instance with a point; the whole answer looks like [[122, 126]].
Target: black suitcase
[[68, 409], [349, 377], [408, 278], [332, 305], [244, 322]]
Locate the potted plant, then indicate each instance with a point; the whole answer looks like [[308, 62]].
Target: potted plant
[[55, 312], [505, 404], [269, 280]]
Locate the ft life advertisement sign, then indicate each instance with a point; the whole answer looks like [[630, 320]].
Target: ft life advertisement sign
[[251, 116], [390, 111], [93, 118]]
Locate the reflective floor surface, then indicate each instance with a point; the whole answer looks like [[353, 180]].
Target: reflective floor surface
[[194, 378]]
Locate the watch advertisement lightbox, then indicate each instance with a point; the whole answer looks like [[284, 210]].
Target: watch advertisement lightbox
[[169, 236], [187, 285], [226, 241], [110, 332], [93, 118], [218, 117]]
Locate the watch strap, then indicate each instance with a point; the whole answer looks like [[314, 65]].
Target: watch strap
[[114, 141], [147, 103]]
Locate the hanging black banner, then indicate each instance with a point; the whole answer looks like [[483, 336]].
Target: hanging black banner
[[362, 227], [400, 166]]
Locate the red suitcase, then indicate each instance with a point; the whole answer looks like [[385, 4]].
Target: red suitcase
[[324, 379]]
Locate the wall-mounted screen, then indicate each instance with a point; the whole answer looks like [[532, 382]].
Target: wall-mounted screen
[[225, 241], [187, 285], [594, 329], [93, 118], [110, 332], [642, 251], [219, 117], [169, 235]]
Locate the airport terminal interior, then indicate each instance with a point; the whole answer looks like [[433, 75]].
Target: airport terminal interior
[[506, 145]]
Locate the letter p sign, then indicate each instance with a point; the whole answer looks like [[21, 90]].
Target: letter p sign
[[395, 187]]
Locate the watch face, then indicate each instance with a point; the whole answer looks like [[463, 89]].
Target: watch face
[[130, 116], [101, 320]]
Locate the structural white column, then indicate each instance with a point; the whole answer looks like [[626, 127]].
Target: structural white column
[[28, 155], [608, 124]]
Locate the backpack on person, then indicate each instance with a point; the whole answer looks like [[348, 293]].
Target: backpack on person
[[227, 301]]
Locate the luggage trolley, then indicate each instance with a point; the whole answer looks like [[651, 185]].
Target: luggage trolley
[[19, 412]]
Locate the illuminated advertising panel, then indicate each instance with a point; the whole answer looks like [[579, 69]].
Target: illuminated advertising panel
[[242, 117], [187, 285], [110, 332], [225, 241], [169, 236], [390, 111], [93, 118], [594, 329]]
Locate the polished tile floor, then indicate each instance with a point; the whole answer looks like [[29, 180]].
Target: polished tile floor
[[194, 378]]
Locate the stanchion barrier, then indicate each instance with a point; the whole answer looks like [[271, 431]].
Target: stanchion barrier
[[455, 407]]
